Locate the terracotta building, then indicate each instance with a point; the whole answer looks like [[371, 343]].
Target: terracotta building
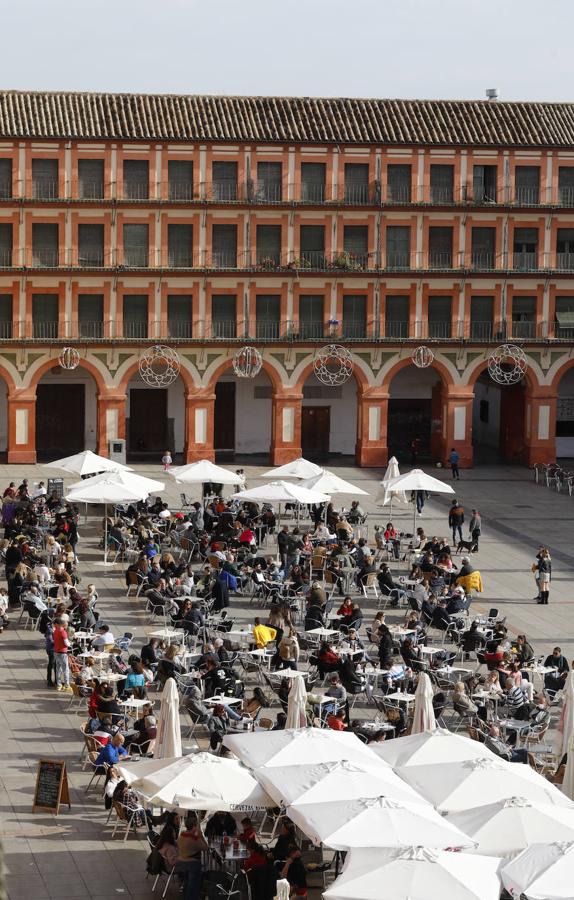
[[210, 223]]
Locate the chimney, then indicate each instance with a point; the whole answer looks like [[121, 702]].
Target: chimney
[[492, 93]]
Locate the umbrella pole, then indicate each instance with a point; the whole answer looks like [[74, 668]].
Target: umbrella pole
[[105, 533]]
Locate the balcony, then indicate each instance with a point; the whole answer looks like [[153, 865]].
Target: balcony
[[180, 191], [483, 261], [223, 330], [225, 191], [91, 258], [527, 196], [525, 261], [90, 189], [134, 190], [5, 257], [5, 189], [136, 258], [180, 259], [45, 258], [312, 192], [44, 331], [440, 259], [45, 189], [361, 194], [267, 192]]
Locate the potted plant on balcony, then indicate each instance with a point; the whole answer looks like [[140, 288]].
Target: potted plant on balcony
[[298, 263], [333, 327], [268, 264], [345, 261]]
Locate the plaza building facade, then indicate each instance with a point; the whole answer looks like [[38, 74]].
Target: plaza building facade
[[211, 223]]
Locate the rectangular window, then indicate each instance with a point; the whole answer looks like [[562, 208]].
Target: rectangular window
[[483, 248], [180, 179], [312, 243], [224, 181], [355, 316], [311, 313], [313, 179], [90, 179], [357, 183], [135, 315], [224, 316], [527, 184], [179, 315], [356, 245], [398, 246], [523, 317], [269, 181], [44, 244], [565, 248], [6, 331], [267, 317], [440, 247], [525, 248], [566, 185], [440, 317], [6, 244], [268, 246], [397, 317], [5, 179], [180, 246], [564, 318], [481, 318], [224, 246], [136, 245], [398, 184], [136, 179], [441, 184], [45, 179], [484, 184], [90, 245], [44, 316], [91, 316]]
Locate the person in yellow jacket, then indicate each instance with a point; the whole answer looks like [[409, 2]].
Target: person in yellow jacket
[[468, 578], [262, 634]]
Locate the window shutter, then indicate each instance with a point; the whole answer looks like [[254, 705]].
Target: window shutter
[[136, 245], [135, 316]]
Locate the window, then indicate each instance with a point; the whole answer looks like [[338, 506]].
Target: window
[[136, 245], [224, 316], [136, 179], [268, 246], [44, 179], [90, 179], [440, 317], [440, 247], [565, 248], [224, 180], [6, 331], [313, 178], [523, 317], [44, 316], [356, 245], [564, 318], [398, 246], [356, 183], [527, 184], [484, 184], [398, 184], [483, 248], [267, 317], [525, 248], [5, 179], [91, 316], [90, 245], [397, 317], [44, 244], [179, 315], [180, 246], [224, 246], [566, 185], [355, 316], [312, 242], [6, 244], [269, 179], [481, 318], [441, 184], [135, 316], [311, 313], [180, 179]]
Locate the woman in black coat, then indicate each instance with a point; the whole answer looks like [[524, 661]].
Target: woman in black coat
[[385, 647]]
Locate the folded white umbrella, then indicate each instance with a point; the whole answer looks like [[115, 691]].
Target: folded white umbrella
[[297, 468], [282, 492], [509, 826], [385, 496], [127, 479], [85, 463], [204, 471], [297, 704], [541, 872], [474, 782], [439, 746], [344, 780], [293, 747], [416, 873], [375, 822], [565, 727], [198, 781], [329, 483], [417, 480], [423, 716], [168, 740]]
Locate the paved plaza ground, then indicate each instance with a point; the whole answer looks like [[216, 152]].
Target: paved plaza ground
[[73, 855]]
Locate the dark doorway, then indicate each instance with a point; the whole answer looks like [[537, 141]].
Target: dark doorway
[[60, 420], [148, 425], [408, 420], [315, 430], [224, 425]]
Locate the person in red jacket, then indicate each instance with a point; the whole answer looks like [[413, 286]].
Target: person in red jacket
[[61, 645]]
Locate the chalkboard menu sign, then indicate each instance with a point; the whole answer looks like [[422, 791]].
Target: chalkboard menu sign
[[51, 786]]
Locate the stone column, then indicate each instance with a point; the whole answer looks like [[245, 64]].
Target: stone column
[[540, 425], [372, 416], [111, 419], [199, 425], [456, 418], [285, 427], [22, 426]]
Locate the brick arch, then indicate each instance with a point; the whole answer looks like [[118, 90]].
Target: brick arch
[[8, 379], [439, 367], [83, 364], [184, 373], [562, 367], [267, 367]]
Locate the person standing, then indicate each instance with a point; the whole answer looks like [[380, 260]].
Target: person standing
[[454, 460], [61, 645], [544, 576], [49, 647], [166, 460], [475, 527], [456, 520], [415, 450]]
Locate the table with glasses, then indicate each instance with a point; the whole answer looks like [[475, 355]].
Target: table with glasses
[[172, 636]]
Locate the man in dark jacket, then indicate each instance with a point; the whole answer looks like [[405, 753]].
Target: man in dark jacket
[[385, 647], [441, 618], [456, 520]]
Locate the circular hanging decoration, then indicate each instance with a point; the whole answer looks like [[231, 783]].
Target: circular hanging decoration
[[333, 365], [423, 357], [69, 358], [507, 364], [247, 362], [159, 366]]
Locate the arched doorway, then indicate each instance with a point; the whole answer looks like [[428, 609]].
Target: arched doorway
[[415, 412], [498, 414], [565, 416], [242, 415], [328, 419], [66, 413], [155, 420]]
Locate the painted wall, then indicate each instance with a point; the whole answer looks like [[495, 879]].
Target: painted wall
[[252, 415], [412, 383], [343, 418]]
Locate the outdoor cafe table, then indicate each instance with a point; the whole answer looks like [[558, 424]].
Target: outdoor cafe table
[[229, 855], [237, 636], [168, 634], [84, 637], [541, 671], [323, 632], [217, 699], [452, 672], [99, 658], [400, 697], [263, 655], [431, 651]]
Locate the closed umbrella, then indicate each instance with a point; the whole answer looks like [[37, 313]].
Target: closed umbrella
[[292, 747], [423, 717], [429, 748], [416, 873], [386, 496], [296, 704], [168, 740], [565, 727], [85, 463], [417, 480], [297, 468], [541, 872], [204, 471], [568, 780]]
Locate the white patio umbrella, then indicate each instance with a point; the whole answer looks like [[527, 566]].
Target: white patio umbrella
[[85, 463], [292, 747], [168, 740], [198, 781], [475, 782], [541, 872], [509, 826], [568, 779], [329, 483], [126, 478], [387, 496], [375, 822], [423, 716], [203, 471], [296, 704], [343, 779], [565, 727], [417, 480], [297, 468], [416, 873], [439, 746], [282, 492]]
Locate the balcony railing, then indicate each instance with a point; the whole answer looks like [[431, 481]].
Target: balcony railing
[[267, 192], [312, 192], [136, 258], [5, 257], [90, 189], [179, 190], [43, 331], [45, 257], [45, 188], [526, 196], [180, 259], [5, 189], [225, 191], [484, 261], [440, 259], [224, 329], [133, 330], [135, 190], [92, 258], [223, 259], [525, 262]]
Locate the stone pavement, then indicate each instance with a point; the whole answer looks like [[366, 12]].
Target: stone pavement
[[73, 855]]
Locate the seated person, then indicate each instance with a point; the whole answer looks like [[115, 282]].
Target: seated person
[[441, 618], [220, 823], [262, 634], [327, 659], [103, 639], [336, 720], [456, 602], [554, 681], [169, 665], [524, 653], [461, 702], [473, 639], [285, 840], [247, 832], [113, 751], [109, 706], [516, 703], [495, 743], [411, 653]]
